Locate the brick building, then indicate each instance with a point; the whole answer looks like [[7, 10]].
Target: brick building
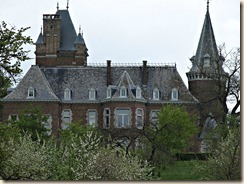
[[114, 97]]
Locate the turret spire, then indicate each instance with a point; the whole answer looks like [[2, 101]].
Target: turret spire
[[207, 5]]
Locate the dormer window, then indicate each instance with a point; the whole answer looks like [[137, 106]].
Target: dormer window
[[92, 94], [123, 92], [138, 92], [67, 94], [206, 60], [109, 92], [174, 94], [156, 94], [31, 92]]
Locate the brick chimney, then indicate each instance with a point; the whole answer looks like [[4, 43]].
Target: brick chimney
[[109, 80], [144, 73]]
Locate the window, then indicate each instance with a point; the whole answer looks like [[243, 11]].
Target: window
[[66, 118], [138, 92], [206, 60], [13, 117], [108, 92], [139, 144], [92, 118], [156, 94], [122, 118], [106, 118], [48, 123], [123, 143], [67, 94], [123, 92], [174, 94], [154, 116], [139, 118], [92, 94], [31, 92]]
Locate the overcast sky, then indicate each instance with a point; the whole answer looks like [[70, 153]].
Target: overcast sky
[[129, 31]]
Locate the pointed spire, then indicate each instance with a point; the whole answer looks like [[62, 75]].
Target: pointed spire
[[57, 6], [207, 43], [67, 4], [40, 39]]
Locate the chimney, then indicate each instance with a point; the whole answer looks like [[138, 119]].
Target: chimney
[[144, 73], [109, 80]]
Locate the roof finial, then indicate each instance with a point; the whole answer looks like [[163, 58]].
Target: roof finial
[[67, 4], [57, 6], [41, 29], [79, 28], [207, 5]]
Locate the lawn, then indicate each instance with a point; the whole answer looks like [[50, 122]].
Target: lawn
[[180, 170]]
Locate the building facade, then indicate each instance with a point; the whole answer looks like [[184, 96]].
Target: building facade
[[110, 97]]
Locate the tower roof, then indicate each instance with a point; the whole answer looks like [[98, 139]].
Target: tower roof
[[68, 33], [79, 39], [40, 39], [207, 44]]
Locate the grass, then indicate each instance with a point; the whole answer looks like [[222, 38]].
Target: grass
[[180, 170]]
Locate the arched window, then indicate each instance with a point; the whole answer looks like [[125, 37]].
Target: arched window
[[31, 92], [174, 94], [123, 92], [92, 94], [67, 94], [138, 92], [155, 94]]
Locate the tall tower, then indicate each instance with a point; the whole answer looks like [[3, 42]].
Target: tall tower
[[206, 77], [59, 45]]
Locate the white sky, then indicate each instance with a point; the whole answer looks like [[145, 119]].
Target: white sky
[[129, 31]]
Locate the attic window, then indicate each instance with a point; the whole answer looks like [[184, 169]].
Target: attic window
[[92, 94], [156, 94], [31, 92], [206, 60], [138, 92], [174, 94], [67, 94], [123, 92], [109, 92]]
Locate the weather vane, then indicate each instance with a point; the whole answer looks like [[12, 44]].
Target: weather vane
[[207, 5]]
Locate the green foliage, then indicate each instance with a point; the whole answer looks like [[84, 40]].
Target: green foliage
[[225, 162], [80, 157], [171, 134], [32, 120], [12, 51]]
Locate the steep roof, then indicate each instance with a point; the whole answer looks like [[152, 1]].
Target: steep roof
[[68, 33], [34, 78], [80, 79], [40, 39], [206, 45], [79, 39]]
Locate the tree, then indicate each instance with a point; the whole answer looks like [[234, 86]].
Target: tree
[[173, 132], [32, 120], [12, 54]]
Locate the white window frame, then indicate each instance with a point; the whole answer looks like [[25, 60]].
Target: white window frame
[[92, 94], [10, 117], [89, 118], [31, 92], [123, 118], [48, 124], [67, 94], [106, 118], [123, 92], [138, 92], [155, 94], [109, 92], [154, 119], [64, 124], [174, 94], [139, 118]]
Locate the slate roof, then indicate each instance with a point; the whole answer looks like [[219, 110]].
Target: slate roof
[[68, 33], [40, 39], [206, 45], [50, 84], [33, 78]]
